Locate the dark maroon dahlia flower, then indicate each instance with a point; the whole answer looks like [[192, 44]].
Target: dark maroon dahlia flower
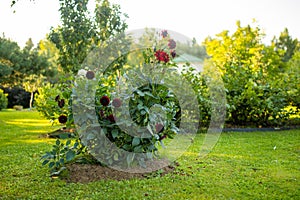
[[117, 103], [172, 44], [159, 128], [90, 75], [62, 119], [104, 101]]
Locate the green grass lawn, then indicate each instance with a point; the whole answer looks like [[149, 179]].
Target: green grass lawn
[[258, 165]]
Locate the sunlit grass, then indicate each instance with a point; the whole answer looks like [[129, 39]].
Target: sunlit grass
[[23, 127], [257, 165]]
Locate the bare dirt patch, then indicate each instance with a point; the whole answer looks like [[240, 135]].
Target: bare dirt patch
[[84, 173]]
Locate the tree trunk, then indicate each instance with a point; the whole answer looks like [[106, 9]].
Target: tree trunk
[[31, 100]]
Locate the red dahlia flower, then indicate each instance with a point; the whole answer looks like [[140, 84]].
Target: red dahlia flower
[[162, 56], [117, 103], [104, 101]]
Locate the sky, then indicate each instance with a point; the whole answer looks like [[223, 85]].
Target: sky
[[192, 18]]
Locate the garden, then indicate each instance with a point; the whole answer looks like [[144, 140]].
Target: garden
[[243, 165], [96, 112]]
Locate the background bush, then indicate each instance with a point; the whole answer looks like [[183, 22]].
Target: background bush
[[17, 96], [250, 71], [3, 100], [47, 104]]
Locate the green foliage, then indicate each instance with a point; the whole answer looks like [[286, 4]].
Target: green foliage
[[80, 33], [16, 63], [3, 100], [293, 79], [74, 38], [48, 49], [139, 108], [9, 54], [52, 103], [144, 129], [287, 45], [48, 106], [249, 69], [109, 20], [198, 82], [61, 154]]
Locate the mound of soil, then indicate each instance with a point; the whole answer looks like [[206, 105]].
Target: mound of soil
[[84, 173]]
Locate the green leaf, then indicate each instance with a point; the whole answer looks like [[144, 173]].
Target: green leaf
[[136, 141], [143, 112], [57, 142], [149, 94], [68, 142], [126, 147], [140, 93], [64, 136], [89, 116], [47, 155], [130, 158], [61, 161], [115, 133], [90, 136], [76, 145], [45, 162], [70, 155], [57, 164], [51, 164], [140, 106], [66, 95], [151, 148], [138, 149], [116, 156], [142, 163]]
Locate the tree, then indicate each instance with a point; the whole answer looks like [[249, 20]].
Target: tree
[[286, 44], [74, 38], [17, 64], [193, 49], [9, 55], [78, 35], [48, 49], [79, 32]]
